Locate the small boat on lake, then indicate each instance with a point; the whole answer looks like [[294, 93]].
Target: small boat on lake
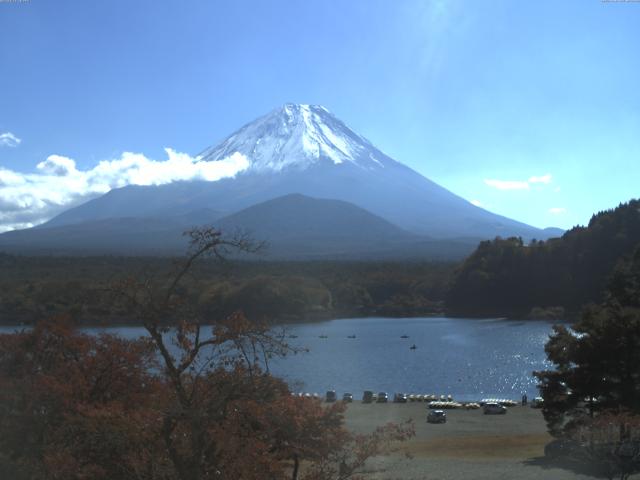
[[413, 347], [323, 336], [404, 336], [351, 336]]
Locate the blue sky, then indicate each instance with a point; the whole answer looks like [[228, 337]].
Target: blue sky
[[530, 109]]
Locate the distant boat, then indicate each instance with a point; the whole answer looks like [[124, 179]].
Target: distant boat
[[323, 336], [404, 336], [413, 347], [293, 336], [351, 336]]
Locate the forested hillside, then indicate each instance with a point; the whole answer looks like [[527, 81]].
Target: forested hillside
[[33, 288], [507, 277], [504, 277]]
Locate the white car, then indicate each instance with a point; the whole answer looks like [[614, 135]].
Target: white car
[[494, 409]]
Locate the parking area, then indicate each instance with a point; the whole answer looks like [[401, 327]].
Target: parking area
[[469, 445]]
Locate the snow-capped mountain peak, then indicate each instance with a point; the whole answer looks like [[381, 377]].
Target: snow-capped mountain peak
[[297, 136], [304, 149]]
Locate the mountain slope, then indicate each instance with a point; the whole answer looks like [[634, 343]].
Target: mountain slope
[[126, 236], [305, 149], [297, 216], [299, 226], [294, 227]]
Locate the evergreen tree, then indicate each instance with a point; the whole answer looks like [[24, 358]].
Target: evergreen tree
[[593, 394]]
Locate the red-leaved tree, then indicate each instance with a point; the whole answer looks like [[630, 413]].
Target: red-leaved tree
[[192, 400]]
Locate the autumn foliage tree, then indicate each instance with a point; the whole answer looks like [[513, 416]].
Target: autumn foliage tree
[[75, 406], [192, 400]]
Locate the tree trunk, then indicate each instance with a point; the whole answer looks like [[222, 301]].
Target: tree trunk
[[296, 466]]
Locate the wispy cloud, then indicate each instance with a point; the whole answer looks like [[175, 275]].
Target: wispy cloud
[[28, 199], [8, 139], [557, 210], [546, 179], [507, 184], [519, 184]]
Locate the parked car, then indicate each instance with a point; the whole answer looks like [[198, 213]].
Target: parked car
[[494, 409], [437, 416], [537, 402], [331, 396], [383, 397], [400, 398], [347, 397], [367, 396]]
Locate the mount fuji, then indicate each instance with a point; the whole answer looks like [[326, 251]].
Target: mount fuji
[[294, 152]]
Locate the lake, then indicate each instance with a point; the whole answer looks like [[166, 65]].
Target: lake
[[467, 358]]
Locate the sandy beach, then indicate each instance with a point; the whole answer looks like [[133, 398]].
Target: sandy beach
[[470, 445]]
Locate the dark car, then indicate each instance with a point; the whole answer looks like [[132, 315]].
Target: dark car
[[367, 396], [437, 416], [383, 397], [331, 396], [400, 398], [493, 408], [537, 402], [347, 397]]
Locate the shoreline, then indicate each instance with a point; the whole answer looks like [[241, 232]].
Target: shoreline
[[284, 323]]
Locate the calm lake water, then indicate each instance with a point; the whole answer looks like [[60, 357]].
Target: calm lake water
[[467, 358]]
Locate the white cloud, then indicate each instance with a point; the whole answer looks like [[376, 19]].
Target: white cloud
[[508, 184], [519, 184], [57, 166], [33, 198], [477, 203], [8, 139], [546, 179], [557, 210]]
